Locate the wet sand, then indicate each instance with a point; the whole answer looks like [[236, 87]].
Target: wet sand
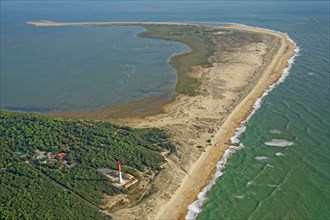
[[245, 63]]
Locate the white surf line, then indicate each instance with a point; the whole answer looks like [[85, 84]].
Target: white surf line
[[196, 207]]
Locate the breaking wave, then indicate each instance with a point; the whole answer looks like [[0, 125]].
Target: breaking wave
[[279, 143], [250, 183], [279, 154], [196, 207], [239, 197], [262, 158]]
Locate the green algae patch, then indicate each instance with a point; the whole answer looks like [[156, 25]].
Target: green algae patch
[[197, 39]]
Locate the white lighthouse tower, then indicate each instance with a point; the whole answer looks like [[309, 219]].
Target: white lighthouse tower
[[119, 173]]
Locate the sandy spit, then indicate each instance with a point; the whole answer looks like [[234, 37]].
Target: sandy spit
[[202, 170], [202, 125]]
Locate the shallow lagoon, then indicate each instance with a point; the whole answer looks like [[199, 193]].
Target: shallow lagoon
[[294, 182], [69, 68]]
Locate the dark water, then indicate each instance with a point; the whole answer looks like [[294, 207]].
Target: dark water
[[283, 170]]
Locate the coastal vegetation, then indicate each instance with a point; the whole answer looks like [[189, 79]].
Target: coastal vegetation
[[35, 188], [201, 48]]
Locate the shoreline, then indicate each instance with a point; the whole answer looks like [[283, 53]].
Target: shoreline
[[195, 208], [184, 62], [233, 126], [203, 124]]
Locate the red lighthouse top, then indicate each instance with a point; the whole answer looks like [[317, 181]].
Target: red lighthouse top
[[118, 165]]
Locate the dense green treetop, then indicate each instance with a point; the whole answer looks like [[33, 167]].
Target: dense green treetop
[[34, 189]]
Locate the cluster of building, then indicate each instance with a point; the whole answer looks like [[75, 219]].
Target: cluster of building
[[44, 157]]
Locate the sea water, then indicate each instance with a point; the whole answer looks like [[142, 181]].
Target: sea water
[[281, 169], [70, 68]]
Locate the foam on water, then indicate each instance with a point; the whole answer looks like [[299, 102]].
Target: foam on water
[[279, 143], [262, 158], [275, 131], [271, 166], [250, 183], [195, 208], [239, 197], [279, 154]]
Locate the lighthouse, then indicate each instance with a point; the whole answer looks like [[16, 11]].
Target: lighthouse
[[119, 173]]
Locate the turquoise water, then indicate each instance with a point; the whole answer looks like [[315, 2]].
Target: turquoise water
[[283, 170]]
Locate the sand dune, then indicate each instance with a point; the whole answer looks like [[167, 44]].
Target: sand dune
[[245, 63]]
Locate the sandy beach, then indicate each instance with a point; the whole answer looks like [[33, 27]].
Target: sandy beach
[[246, 61], [201, 171], [203, 125]]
